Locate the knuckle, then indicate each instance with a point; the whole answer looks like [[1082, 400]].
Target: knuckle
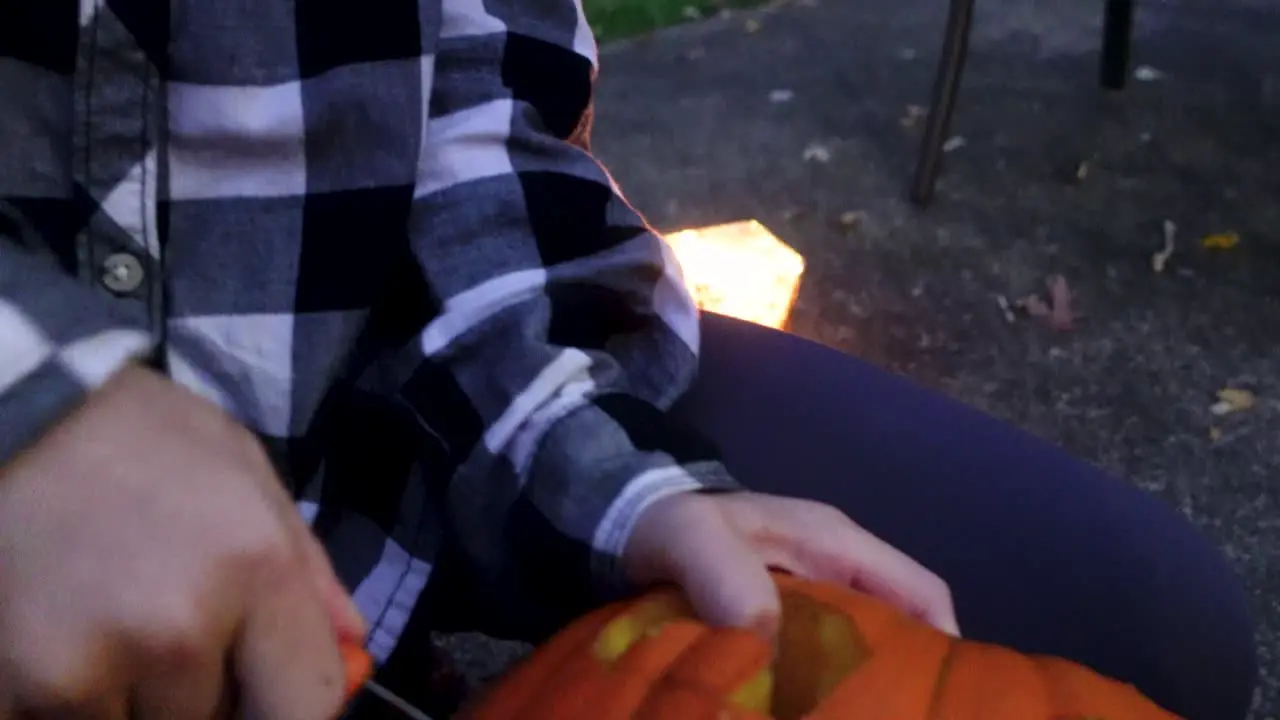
[[173, 636], [824, 515], [268, 555], [43, 684]]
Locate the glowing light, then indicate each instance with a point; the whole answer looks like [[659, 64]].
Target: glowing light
[[740, 269]]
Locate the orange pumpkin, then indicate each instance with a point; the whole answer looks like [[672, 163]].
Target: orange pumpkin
[[841, 655]]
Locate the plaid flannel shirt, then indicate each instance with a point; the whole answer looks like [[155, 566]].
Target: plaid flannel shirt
[[374, 234]]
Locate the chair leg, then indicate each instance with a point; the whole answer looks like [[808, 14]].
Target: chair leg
[[1117, 36], [946, 85]]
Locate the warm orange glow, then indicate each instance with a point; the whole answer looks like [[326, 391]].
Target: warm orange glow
[[740, 269]]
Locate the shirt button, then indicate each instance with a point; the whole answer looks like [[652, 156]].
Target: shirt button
[[122, 273]]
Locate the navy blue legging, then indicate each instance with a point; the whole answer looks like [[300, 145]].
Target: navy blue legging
[[1043, 553]]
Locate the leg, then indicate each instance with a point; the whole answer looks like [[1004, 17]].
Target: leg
[[1043, 553], [1117, 36], [955, 47]]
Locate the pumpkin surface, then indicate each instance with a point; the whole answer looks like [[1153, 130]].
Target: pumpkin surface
[[841, 655]]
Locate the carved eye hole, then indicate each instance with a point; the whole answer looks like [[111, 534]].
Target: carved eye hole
[[819, 645]]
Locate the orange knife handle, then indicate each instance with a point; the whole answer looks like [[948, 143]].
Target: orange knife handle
[[358, 667]]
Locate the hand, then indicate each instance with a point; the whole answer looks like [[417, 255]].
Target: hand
[[718, 548], [153, 567]]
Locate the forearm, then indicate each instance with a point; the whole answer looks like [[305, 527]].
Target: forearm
[[571, 456], [563, 322]]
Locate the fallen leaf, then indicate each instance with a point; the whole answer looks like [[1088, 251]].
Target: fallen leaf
[[1006, 309], [696, 53], [912, 115], [1233, 400], [955, 142], [1034, 306], [1082, 170], [1161, 258], [1220, 241], [817, 152], [751, 25], [1215, 433], [1146, 73], [849, 218], [781, 95], [1061, 316], [1057, 313]]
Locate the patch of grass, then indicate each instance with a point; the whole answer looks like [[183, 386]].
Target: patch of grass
[[615, 19]]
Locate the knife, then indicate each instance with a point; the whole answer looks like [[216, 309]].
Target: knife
[[358, 666]]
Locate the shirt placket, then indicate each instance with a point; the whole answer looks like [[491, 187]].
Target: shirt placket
[[119, 118]]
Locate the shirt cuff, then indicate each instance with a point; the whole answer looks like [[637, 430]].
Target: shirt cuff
[[647, 488]]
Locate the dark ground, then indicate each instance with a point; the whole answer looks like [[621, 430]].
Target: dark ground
[[687, 125]]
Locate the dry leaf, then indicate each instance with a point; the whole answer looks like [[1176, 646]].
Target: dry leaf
[[1146, 73], [817, 152], [1005, 308], [1035, 307], [1220, 241], [751, 25], [696, 53], [781, 95], [1057, 313], [849, 218], [1082, 170], [1233, 400], [1215, 433], [1161, 258], [1061, 315], [912, 115], [955, 142]]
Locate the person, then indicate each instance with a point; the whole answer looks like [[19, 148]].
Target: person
[[321, 323]]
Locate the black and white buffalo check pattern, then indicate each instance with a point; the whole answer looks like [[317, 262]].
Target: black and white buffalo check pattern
[[375, 234]]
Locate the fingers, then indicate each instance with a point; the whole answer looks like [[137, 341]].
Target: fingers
[[189, 686], [886, 572], [688, 541], [344, 616], [195, 694], [287, 662], [62, 671], [819, 542]]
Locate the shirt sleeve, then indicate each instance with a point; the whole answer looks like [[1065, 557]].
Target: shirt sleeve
[[563, 317], [59, 339]]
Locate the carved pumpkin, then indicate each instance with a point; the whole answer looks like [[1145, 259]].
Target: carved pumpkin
[[841, 655]]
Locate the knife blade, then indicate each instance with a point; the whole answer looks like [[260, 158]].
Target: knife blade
[[358, 666]]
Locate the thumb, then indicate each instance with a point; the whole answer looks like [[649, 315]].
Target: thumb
[[686, 540], [348, 623]]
